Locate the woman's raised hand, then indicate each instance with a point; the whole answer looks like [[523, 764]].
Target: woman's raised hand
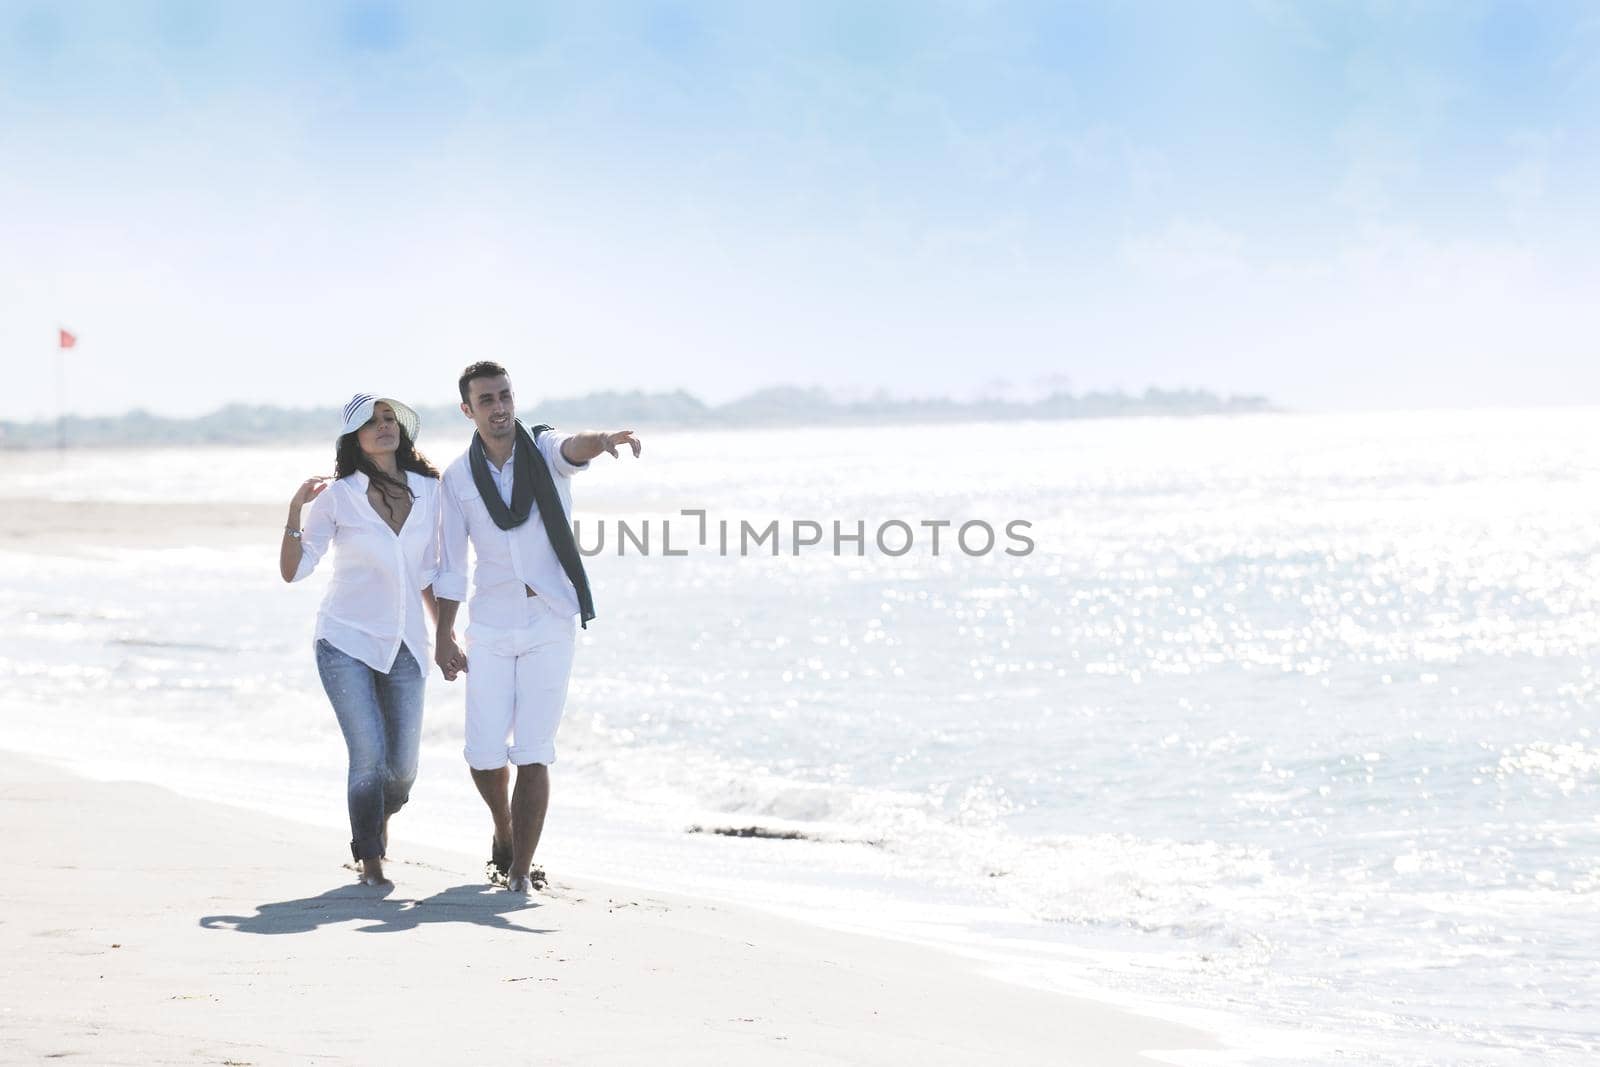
[[307, 492], [289, 554]]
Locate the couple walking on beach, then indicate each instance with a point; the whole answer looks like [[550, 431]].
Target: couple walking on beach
[[400, 534]]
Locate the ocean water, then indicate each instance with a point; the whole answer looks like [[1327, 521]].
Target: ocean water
[[1286, 724]]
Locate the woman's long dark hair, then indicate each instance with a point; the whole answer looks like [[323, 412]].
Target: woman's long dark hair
[[348, 458]]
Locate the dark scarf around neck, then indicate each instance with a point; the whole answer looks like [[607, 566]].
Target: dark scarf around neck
[[532, 484]]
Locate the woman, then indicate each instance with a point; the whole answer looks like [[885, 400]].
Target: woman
[[381, 514]]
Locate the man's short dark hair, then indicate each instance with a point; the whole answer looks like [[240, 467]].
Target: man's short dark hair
[[482, 369]]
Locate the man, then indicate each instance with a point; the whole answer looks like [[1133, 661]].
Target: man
[[510, 497]]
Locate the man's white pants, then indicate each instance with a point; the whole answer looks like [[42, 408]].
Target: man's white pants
[[517, 687]]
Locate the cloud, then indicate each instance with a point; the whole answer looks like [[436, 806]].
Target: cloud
[[1186, 252], [1385, 311], [1523, 185]]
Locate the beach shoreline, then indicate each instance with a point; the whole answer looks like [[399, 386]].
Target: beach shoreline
[[144, 926], [292, 882]]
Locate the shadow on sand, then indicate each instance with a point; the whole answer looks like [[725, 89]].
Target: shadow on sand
[[481, 905]]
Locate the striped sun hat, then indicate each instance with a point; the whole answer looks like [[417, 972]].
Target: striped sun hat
[[359, 410]]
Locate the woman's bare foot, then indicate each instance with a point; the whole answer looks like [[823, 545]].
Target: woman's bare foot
[[372, 873]]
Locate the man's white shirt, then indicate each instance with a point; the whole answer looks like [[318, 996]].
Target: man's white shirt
[[507, 560]]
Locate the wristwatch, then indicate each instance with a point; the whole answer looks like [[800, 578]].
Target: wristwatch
[[292, 532]]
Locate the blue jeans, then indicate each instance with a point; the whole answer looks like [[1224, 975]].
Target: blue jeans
[[381, 718]]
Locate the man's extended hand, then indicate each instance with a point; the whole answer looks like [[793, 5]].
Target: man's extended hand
[[448, 655], [610, 441], [580, 448]]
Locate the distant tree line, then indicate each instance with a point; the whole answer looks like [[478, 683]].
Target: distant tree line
[[240, 424]]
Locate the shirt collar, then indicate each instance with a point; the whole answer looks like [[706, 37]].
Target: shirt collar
[[359, 480], [508, 466]]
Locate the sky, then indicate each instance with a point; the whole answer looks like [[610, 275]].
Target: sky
[[1336, 205]]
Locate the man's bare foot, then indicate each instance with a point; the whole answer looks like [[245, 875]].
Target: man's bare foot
[[527, 883], [498, 868]]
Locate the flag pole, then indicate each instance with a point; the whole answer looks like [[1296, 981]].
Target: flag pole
[[65, 339], [61, 397]]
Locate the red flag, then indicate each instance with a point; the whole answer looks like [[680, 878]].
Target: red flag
[[67, 339]]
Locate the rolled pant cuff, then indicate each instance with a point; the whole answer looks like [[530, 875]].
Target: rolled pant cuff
[[545, 754], [486, 761], [367, 850]]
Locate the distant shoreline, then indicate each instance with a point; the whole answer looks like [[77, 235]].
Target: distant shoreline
[[245, 424]]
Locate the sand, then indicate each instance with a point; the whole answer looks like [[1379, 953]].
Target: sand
[[144, 927], [53, 527]]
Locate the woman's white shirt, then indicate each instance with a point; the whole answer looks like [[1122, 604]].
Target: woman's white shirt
[[374, 601]]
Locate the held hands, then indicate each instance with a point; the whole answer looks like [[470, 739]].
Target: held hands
[[448, 655]]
